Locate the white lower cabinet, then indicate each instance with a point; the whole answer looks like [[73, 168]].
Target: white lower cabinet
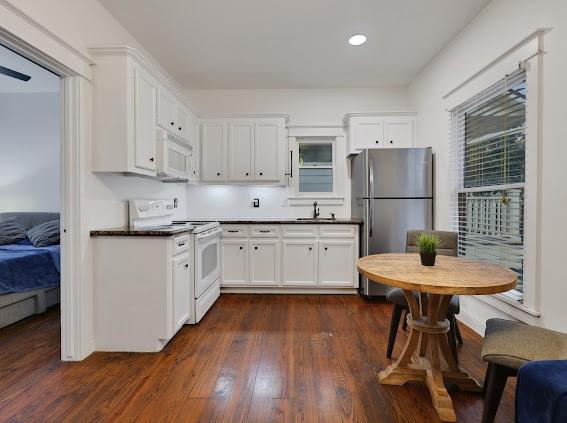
[[299, 262], [264, 262], [289, 256], [336, 263], [234, 262], [181, 291]]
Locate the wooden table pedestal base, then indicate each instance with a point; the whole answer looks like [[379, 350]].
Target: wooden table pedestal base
[[427, 357]]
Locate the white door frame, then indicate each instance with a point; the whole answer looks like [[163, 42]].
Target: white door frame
[[29, 38]]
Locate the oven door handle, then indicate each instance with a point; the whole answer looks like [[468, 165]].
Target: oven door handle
[[209, 235]]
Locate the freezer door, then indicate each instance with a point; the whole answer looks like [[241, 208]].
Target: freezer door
[[392, 218], [401, 172]]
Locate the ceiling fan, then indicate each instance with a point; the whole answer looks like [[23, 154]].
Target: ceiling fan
[[14, 74]]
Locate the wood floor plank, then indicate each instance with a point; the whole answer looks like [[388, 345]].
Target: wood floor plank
[[253, 358]]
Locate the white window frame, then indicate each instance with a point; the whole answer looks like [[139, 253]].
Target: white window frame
[[529, 54], [324, 198]]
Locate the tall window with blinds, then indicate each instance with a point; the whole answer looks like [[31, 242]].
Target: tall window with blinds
[[488, 134]]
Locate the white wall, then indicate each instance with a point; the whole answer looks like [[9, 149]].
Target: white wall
[[30, 146], [304, 107], [501, 25], [81, 24]]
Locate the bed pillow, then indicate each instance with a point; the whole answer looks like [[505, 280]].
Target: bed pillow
[[11, 231], [44, 234]]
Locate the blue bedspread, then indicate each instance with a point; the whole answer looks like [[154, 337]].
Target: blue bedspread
[[24, 267]]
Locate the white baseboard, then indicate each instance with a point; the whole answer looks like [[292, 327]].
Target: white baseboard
[[315, 291], [479, 326]]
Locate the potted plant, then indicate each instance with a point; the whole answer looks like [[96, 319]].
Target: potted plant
[[428, 244]]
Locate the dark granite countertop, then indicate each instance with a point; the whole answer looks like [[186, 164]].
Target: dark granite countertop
[[276, 221], [127, 231]]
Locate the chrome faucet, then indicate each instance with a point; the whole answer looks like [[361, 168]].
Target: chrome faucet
[[315, 210]]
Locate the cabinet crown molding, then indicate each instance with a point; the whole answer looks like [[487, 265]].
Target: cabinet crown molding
[[225, 116], [141, 59], [378, 114]]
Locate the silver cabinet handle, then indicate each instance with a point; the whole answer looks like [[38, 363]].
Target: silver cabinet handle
[[371, 196]]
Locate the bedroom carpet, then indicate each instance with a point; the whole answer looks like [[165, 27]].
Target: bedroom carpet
[[253, 358]]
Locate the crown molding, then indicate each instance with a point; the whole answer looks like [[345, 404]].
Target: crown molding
[[24, 34]]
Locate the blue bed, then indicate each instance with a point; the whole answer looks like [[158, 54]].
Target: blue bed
[[29, 276], [24, 267]]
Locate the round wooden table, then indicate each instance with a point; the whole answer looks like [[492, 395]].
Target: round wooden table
[[426, 356]]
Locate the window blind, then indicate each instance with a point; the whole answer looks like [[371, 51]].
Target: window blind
[[488, 160]]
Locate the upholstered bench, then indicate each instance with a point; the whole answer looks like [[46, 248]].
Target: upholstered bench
[[507, 346]]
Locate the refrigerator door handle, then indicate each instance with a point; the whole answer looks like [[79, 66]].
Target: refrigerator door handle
[[371, 189]]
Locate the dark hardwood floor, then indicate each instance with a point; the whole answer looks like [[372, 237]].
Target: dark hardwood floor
[[253, 358]]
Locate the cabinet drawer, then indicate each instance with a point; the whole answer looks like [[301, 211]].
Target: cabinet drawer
[[299, 231], [180, 244], [234, 231], [337, 231], [265, 231]]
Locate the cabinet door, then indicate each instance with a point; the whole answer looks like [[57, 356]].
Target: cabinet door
[[367, 132], [145, 92], [299, 263], [166, 111], [213, 141], [240, 150], [182, 123], [181, 291], [264, 262], [336, 263], [234, 262], [398, 133], [266, 142]]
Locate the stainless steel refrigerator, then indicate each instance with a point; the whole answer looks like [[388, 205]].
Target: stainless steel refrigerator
[[392, 192]]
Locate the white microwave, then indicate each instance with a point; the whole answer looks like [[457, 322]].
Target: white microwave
[[173, 157]]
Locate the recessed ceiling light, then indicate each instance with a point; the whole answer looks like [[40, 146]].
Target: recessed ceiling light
[[357, 40]]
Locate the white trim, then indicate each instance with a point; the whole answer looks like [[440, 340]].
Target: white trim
[[539, 33], [479, 326], [244, 116], [315, 291], [378, 114], [162, 75], [30, 39], [328, 131], [25, 35]]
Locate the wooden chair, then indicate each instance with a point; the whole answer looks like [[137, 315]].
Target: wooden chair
[[396, 296], [506, 347]]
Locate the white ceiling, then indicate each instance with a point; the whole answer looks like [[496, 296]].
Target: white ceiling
[[41, 80], [221, 44]]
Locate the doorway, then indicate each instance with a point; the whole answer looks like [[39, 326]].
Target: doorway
[[30, 182]]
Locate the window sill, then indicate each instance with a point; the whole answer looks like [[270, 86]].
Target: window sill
[[322, 200], [511, 307]]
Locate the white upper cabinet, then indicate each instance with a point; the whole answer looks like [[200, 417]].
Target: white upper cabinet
[[254, 147], [368, 132], [240, 151], [213, 146], [145, 91], [267, 152], [398, 132], [172, 115], [183, 122], [379, 130], [166, 110], [130, 100]]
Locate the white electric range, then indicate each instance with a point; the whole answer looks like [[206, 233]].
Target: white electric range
[[204, 246]]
